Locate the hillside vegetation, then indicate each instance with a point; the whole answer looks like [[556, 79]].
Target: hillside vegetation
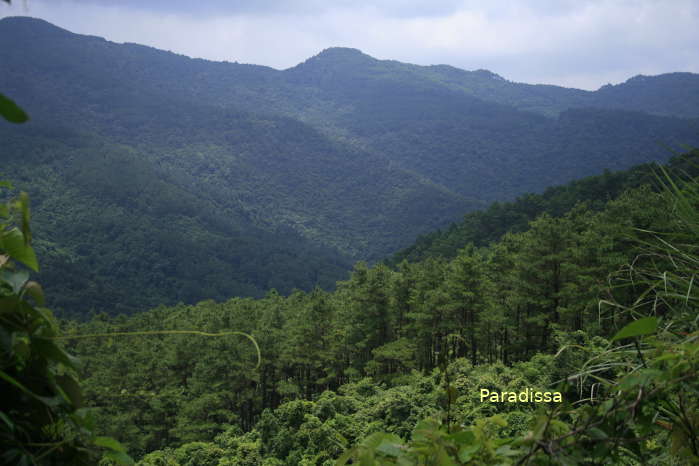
[[486, 226], [188, 179], [388, 368]]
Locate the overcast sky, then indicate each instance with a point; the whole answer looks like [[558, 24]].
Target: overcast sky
[[581, 43]]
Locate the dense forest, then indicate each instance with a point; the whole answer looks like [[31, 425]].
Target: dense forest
[[394, 346], [230, 251], [596, 303], [488, 225], [190, 179]]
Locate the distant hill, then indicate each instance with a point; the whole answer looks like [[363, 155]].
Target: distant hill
[[205, 180]]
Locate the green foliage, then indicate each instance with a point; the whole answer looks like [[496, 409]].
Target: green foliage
[[11, 112], [211, 180], [484, 227], [353, 373], [192, 180], [643, 326], [44, 420], [644, 394]]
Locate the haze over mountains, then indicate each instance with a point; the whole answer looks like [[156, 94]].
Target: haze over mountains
[[208, 180]]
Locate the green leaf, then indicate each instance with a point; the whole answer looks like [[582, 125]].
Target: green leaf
[[464, 437], [639, 327], [34, 290], [11, 112], [14, 244], [467, 451], [71, 388], [389, 449], [16, 280], [443, 458], [110, 443], [119, 457], [48, 401], [23, 203], [7, 421], [52, 352], [346, 456], [9, 304], [507, 450]]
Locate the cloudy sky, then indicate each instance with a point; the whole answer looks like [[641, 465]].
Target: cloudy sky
[[580, 43]]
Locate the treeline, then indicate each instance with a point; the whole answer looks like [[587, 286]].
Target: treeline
[[497, 309]]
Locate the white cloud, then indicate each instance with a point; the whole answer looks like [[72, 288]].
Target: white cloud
[[571, 43]]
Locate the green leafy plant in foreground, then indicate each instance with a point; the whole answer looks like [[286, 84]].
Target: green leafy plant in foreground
[[41, 418], [11, 111]]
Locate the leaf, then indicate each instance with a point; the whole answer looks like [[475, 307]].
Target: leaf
[[389, 448], [119, 457], [16, 280], [464, 437], [443, 458], [507, 450], [11, 112], [378, 438], [48, 401], [34, 290], [346, 456], [9, 304], [85, 418], [23, 203], [639, 327], [49, 350], [110, 443], [7, 421], [71, 388], [467, 452], [14, 244]]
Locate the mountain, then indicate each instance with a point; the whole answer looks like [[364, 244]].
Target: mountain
[[478, 136], [187, 179], [484, 227], [532, 309]]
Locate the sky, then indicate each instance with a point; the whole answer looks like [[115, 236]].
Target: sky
[[581, 43]]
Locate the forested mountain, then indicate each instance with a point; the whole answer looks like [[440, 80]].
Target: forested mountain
[[486, 226], [208, 180], [204, 193], [538, 310]]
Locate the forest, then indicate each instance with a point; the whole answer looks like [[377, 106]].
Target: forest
[[341, 263], [207, 180], [596, 302]]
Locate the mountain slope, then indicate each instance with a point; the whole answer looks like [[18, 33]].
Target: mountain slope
[[480, 148], [213, 179], [487, 226]]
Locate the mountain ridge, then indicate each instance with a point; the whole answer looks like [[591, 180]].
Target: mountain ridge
[[344, 164], [331, 53]]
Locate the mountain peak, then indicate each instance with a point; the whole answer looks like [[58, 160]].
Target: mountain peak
[[488, 74], [28, 24], [342, 52], [337, 57]]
